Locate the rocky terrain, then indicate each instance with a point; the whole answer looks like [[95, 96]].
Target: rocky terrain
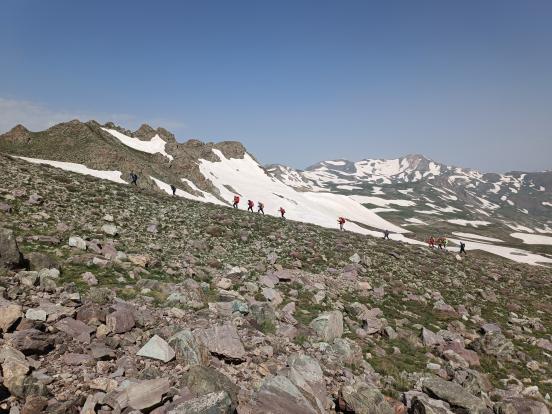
[[116, 299]]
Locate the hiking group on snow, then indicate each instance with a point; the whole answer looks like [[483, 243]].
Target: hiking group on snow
[[441, 242]]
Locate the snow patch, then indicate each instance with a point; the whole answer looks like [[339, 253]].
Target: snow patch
[[381, 202], [415, 221], [114, 176], [153, 146], [476, 236], [532, 238], [473, 223], [517, 255]]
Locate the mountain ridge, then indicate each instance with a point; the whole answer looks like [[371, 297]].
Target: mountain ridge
[[412, 195]]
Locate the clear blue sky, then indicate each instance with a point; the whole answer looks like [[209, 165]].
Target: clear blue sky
[[463, 82]]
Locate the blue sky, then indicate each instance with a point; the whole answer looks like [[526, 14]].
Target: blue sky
[[463, 82]]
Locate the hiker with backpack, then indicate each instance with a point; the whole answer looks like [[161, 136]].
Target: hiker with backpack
[[133, 178], [173, 188], [250, 205], [431, 242], [386, 235], [260, 208], [341, 221], [440, 243], [445, 243], [282, 212], [236, 201], [463, 248]]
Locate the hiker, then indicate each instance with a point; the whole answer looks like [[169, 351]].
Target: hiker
[[282, 212], [260, 207], [431, 242], [445, 243], [173, 188], [250, 205], [236, 201], [463, 248], [133, 178], [386, 235], [341, 221]]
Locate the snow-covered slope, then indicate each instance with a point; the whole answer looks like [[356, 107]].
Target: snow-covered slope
[[247, 179]]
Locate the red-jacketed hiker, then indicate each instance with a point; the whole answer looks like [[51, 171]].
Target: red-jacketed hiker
[[250, 205], [341, 221], [260, 207], [282, 212], [236, 201], [431, 242]]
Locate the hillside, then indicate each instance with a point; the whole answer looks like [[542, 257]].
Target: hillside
[[141, 302], [412, 197]]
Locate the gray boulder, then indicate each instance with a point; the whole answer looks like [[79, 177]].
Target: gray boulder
[[10, 256], [454, 394], [157, 348], [362, 398], [205, 380], [328, 325], [189, 349], [223, 341], [278, 395], [212, 403]]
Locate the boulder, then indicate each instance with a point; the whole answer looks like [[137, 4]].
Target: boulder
[[329, 325], [89, 278], [278, 395], [189, 349], [422, 404], [223, 341], [146, 394], [120, 321], [454, 394], [521, 406], [431, 339], [202, 380], [39, 261], [110, 229], [36, 315], [76, 329], [10, 313], [494, 343], [307, 376], [157, 348], [10, 256], [77, 242], [362, 398], [31, 341], [212, 403]]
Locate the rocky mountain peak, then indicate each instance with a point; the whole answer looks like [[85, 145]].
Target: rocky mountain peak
[[146, 132]]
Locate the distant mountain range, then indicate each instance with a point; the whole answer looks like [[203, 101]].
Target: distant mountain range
[[412, 196]]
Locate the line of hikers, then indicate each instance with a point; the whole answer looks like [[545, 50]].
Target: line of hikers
[[441, 242], [260, 206]]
